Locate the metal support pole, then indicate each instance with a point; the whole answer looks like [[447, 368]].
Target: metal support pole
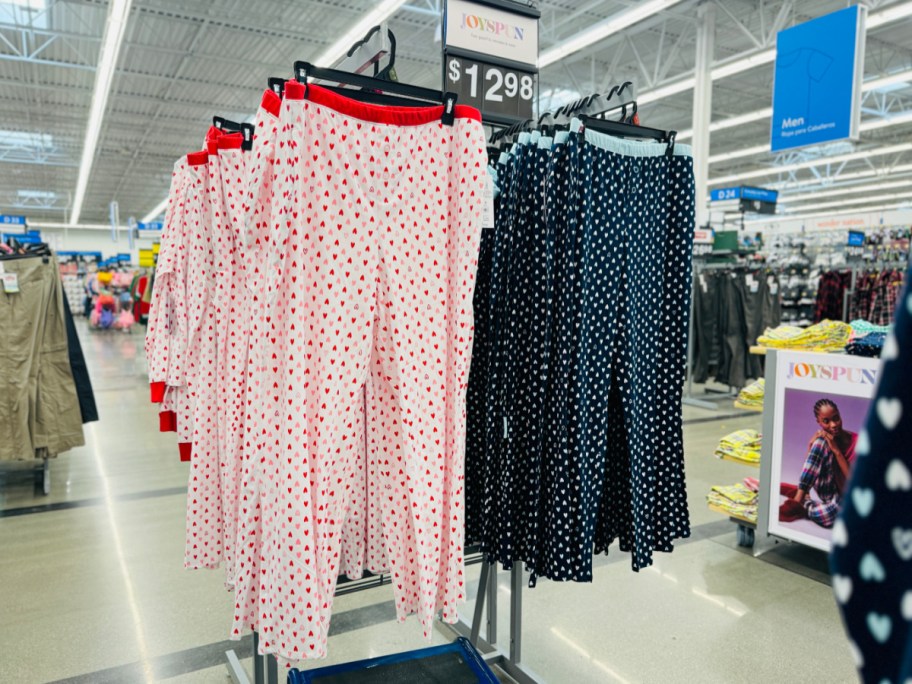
[[272, 669], [479, 603], [516, 589], [492, 605], [259, 671], [702, 106]]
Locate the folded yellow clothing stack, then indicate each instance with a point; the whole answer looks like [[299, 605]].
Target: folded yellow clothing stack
[[751, 397], [742, 446], [735, 500], [824, 336]]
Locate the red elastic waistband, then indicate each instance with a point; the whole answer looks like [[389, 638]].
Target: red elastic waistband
[[272, 103], [230, 141], [198, 158], [398, 116]]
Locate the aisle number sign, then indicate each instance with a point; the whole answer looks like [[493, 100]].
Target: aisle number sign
[[10, 220], [817, 86], [744, 192], [490, 57]]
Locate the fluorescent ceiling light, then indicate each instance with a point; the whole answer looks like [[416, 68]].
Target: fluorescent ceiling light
[[155, 213], [797, 166], [900, 10], [736, 66], [886, 121], [378, 15], [118, 13], [887, 81], [737, 154], [731, 122], [866, 173], [844, 190], [36, 194], [27, 140], [608, 27], [666, 91], [856, 200]]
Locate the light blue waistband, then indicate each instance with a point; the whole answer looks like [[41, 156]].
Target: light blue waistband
[[561, 137], [545, 142], [629, 148]]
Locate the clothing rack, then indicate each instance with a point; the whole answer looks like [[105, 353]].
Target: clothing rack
[[707, 399], [266, 668], [511, 660], [858, 268], [594, 106]]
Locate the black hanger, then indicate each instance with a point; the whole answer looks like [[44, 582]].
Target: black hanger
[[224, 124], [247, 131], [380, 92], [277, 85], [628, 130]]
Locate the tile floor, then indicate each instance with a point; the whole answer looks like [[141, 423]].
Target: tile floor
[[92, 587]]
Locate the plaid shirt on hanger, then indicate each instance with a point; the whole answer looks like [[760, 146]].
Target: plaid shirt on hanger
[[885, 297], [830, 294]]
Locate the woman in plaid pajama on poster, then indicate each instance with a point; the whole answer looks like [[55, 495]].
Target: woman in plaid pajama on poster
[[831, 453]]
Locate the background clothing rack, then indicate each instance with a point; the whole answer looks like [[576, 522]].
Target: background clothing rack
[[709, 397]]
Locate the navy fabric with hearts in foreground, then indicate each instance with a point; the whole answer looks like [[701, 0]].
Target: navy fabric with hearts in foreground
[[871, 559]]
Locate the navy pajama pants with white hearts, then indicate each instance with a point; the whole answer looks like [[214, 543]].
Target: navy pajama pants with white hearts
[[586, 318], [871, 558]]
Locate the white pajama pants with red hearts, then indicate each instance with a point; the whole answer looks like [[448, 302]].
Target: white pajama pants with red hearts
[[369, 274]]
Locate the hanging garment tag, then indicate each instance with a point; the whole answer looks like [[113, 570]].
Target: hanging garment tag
[[703, 284], [506, 429], [10, 282], [487, 216]]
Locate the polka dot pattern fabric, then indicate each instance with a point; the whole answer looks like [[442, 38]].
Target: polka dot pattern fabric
[[588, 309], [370, 277], [872, 538]]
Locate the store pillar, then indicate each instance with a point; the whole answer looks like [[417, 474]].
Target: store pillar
[[702, 107]]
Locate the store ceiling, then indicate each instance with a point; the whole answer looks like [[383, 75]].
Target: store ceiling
[[180, 66]]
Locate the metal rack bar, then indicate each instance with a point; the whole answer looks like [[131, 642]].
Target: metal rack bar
[[510, 661]]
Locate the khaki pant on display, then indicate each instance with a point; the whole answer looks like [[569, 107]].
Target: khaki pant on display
[[39, 408]]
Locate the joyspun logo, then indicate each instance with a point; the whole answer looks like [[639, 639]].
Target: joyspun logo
[[817, 371], [475, 22]]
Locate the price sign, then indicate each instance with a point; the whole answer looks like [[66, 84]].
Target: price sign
[[490, 57], [491, 89], [702, 248]]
